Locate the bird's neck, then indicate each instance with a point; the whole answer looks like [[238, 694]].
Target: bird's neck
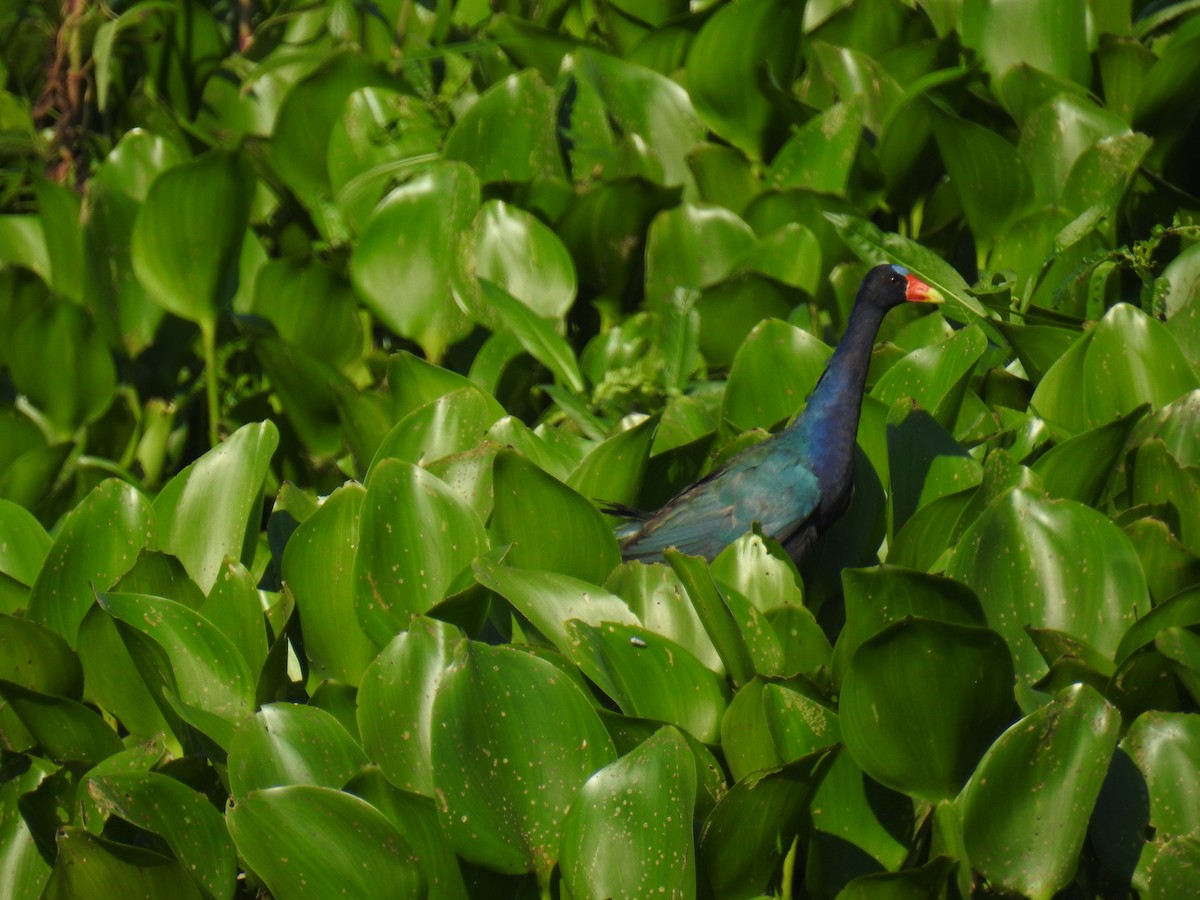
[[829, 423]]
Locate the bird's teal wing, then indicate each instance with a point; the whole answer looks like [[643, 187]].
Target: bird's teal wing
[[763, 485]]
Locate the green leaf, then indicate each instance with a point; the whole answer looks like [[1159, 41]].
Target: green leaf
[[936, 376], [309, 841], [549, 526], [211, 509], [739, 52], [524, 258], [691, 246], [710, 606], [450, 424], [656, 597], [614, 470], [629, 831], [89, 866], [1050, 36], [650, 676], [312, 308], [509, 133], [194, 661], [318, 554], [23, 544], [1064, 566], [410, 263], [731, 309], [1080, 467], [96, 544], [901, 740], [821, 154], [925, 462], [188, 277], [64, 729], [395, 703], [186, 820], [1047, 770], [535, 333], [509, 720], [763, 574], [415, 538], [286, 743], [774, 370]]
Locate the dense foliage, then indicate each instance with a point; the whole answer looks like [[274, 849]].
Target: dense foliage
[[327, 323]]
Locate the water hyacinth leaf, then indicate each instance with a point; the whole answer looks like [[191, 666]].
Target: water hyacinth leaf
[[511, 721], [821, 154], [1051, 37], [395, 703], [656, 597], [791, 254], [799, 724], [718, 620], [39, 659], [410, 262], [730, 309], [97, 542], [650, 676], [1080, 467], [1057, 135], [764, 575], [187, 277], [737, 52], [524, 258], [203, 668], [914, 747], [1158, 477], [78, 386], [925, 463], [878, 596], [746, 836], [310, 841], [746, 739], [537, 335], [550, 600], [1170, 567], [549, 526], [614, 470], [692, 246], [990, 179], [312, 308], [286, 743], [1064, 566], [806, 649], [1038, 347], [66, 730], [1176, 869], [415, 538], [186, 821], [377, 127], [318, 554], [629, 832], [509, 133], [90, 866], [859, 826], [1046, 769], [235, 607], [210, 510], [774, 369], [935, 377], [452, 423]]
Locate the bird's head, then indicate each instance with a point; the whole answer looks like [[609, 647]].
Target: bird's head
[[887, 286]]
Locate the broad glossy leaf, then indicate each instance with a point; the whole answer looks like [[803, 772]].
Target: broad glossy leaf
[[511, 722], [309, 841], [715, 615], [1158, 477], [452, 423], [805, 647], [520, 255], [774, 370], [65, 730], [731, 309], [509, 133], [799, 724], [1102, 173], [38, 659], [1048, 35], [415, 538], [188, 277], [859, 826], [738, 52], [411, 260], [549, 600], [763, 575], [894, 733], [747, 835], [318, 554], [24, 544], [1080, 467], [1057, 135], [97, 542], [791, 254], [692, 246], [90, 866], [1170, 567], [747, 742], [882, 595], [656, 597], [211, 509], [1046, 769], [185, 820], [311, 307], [395, 702], [549, 526], [650, 676], [1038, 347], [1060, 565], [821, 154], [235, 608], [1126, 360], [537, 335], [286, 743], [1176, 869], [614, 470], [991, 180], [199, 664], [925, 463], [629, 833], [60, 361]]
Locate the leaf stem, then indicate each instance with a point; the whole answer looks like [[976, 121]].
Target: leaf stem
[[208, 340]]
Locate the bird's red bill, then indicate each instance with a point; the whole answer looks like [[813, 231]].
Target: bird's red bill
[[919, 292]]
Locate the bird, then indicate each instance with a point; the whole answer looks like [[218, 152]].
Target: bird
[[796, 483]]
